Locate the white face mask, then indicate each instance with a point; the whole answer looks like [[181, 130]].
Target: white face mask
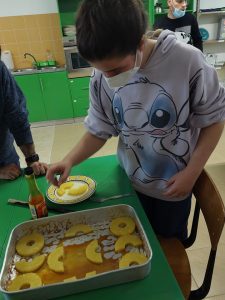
[[177, 12], [123, 78]]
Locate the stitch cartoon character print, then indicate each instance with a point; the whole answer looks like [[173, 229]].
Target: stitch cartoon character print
[[151, 131], [151, 128]]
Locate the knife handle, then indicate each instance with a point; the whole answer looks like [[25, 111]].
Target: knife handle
[[15, 201]]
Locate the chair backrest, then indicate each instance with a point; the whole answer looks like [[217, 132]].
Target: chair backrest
[[211, 205]]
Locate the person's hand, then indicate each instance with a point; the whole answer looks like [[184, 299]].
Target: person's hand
[[62, 168], [11, 172], [39, 168], [180, 185]]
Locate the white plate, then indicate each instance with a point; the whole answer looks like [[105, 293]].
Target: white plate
[[71, 199]]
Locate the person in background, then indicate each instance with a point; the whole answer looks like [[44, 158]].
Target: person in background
[[180, 21], [168, 111], [14, 124]]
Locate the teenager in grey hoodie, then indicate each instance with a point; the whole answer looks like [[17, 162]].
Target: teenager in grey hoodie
[[160, 97]]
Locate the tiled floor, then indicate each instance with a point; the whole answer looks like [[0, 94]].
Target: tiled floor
[[53, 142]]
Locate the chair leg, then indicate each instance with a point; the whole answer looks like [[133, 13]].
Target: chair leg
[[194, 228], [203, 291]]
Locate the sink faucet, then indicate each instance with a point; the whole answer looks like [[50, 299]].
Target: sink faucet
[[35, 61]]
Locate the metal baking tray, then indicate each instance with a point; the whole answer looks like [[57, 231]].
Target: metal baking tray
[[48, 225]]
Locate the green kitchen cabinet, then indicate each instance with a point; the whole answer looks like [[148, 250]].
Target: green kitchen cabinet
[[48, 96], [30, 85], [149, 7], [67, 11], [79, 88], [56, 95]]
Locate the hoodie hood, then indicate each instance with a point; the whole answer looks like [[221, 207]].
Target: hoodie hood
[[166, 40], [165, 43]]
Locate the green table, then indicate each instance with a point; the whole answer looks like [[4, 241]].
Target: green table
[[160, 284]]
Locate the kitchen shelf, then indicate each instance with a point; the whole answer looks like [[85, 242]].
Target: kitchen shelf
[[211, 12], [213, 41], [210, 20]]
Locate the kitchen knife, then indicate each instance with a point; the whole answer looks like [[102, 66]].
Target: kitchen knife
[[25, 203]]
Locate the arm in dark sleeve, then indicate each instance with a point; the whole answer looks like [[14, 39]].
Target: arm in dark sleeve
[[15, 113], [195, 34], [158, 24]]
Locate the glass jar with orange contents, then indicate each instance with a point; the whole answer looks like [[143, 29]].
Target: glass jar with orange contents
[[37, 202]]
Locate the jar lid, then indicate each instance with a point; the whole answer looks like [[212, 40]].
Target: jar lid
[[28, 171]]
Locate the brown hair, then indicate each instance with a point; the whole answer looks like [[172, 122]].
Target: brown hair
[[107, 28]]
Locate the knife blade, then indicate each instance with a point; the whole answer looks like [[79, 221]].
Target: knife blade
[[26, 204]]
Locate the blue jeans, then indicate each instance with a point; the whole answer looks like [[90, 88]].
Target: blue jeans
[[12, 158], [168, 218]]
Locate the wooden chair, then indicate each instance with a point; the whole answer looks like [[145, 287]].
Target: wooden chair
[[209, 201]]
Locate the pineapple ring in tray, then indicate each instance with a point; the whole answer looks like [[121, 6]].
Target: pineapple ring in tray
[[75, 189], [125, 240], [30, 266], [30, 244], [78, 228], [29, 280], [92, 254], [55, 260], [122, 226], [132, 258]]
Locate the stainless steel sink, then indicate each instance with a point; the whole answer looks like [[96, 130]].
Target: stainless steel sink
[[25, 70], [35, 69], [49, 68]]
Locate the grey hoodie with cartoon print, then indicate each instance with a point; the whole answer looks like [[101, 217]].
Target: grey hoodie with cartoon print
[[158, 114]]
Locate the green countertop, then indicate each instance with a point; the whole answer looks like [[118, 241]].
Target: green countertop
[[111, 180]]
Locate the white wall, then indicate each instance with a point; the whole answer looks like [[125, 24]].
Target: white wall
[[210, 4], [27, 7]]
